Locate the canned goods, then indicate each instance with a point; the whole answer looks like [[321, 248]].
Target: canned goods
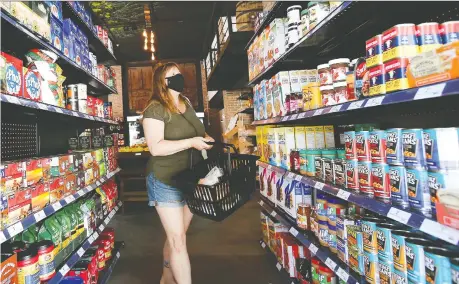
[[339, 171], [72, 104], [428, 36], [415, 259], [418, 191], [399, 276], [352, 175], [377, 142], [377, 80], [355, 238], [329, 175], [72, 92], [442, 150], [374, 51], [303, 162], [83, 105], [341, 222], [398, 249], [395, 74], [365, 178], [438, 265], [349, 145], [319, 168], [356, 261], [370, 243], [394, 146], [398, 186], [414, 153], [450, 31], [385, 271], [370, 265], [362, 144], [381, 182], [440, 181], [310, 162], [384, 240], [400, 42]]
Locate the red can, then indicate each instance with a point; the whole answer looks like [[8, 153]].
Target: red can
[[105, 244], [362, 145], [45, 249], [365, 178], [91, 256], [352, 175], [110, 232], [100, 255], [377, 142], [82, 270], [449, 31], [380, 181], [349, 145]]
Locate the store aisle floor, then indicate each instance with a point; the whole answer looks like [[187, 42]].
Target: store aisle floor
[[221, 253]]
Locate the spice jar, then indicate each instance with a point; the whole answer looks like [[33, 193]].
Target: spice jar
[[325, 75], [328, 95], [339, 68], [340, 89], [303, 217], [304, 22]]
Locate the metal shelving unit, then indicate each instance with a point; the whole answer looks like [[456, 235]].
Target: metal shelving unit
[[279, 267]]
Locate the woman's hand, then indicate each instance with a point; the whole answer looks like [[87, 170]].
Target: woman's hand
[[199, 143], [209, 139]]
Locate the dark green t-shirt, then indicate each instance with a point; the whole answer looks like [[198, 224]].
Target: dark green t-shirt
[[176, 127]]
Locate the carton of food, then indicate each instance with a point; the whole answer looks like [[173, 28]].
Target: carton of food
[[32, 84], [319, 137], [34, 17], [259, 130], [268, 48], [329, 135], [300, 137], [34, 172], [269, 99], [262, 100], [289, 144], [278, 99], [40, 196], [12, 177], [56, 9], [88, 176], [295, 83], [8, 268], [310, 137], [57, 36], [56, 189], [19, 206], [277, 41], [11, 76], [273, 151]]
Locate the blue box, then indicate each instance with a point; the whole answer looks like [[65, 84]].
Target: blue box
[[56, 9], [56, 33], [85, 51], [77, 51], [68, 46], [70, 28], [82, 37], [86, 63]]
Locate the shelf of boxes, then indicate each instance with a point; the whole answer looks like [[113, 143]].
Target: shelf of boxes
[[105, 274], [409, 218], [49, 210], [278, 265], [73, 259]]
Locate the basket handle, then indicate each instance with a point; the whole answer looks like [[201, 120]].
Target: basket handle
[[223, 145]]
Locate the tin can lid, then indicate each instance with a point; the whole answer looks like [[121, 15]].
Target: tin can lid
[[428, 24], [339, 61], [340, 84], [323, 66], [304, 12], [326, 88]]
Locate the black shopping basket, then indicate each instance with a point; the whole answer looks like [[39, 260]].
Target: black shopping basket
[[234, 189]]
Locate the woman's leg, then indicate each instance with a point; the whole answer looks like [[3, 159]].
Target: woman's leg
[[168, 277], [172, 219]]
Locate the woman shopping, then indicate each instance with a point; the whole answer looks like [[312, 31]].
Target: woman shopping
[[173, 133]]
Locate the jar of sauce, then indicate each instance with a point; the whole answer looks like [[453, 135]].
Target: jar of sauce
[[111, 233], [325, 75], [303, 216], [332, 238], [45, 251], [28, 266], [339, 68]]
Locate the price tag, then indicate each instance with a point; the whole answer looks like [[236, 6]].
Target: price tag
[[42, 106], [336, 108], [75, 113], [40, 215], [101, 227], [301, 115], [80, 251], [299, 178], [291, 175], [330, 263], [91, 239], [355, 105], [106, 221], [64, 270], [273, 213], [58, 109], [2, 237], [285, 118], [15, 229], [96, 235], [374, 101], [118, 254], [318, 112], [343, 194], [97, 183], [313, 249], [69, 199], [261, 203], [342, 274], [14, 100], [278, 266], [293, 231], [270, 167], [57, 206], [430, 92], [80, 192], [319, 185], [440, 231], [399, 215], [263, 245], [293, 117]]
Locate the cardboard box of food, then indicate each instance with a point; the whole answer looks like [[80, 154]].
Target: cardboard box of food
[[56, 189], [40, 196], [19, 206], [34, 172], [70, 184], [9, 269], [11, 75]]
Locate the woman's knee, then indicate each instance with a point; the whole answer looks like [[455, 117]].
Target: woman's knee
[[177, 242]]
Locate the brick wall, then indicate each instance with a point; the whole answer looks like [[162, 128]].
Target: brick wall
[[117, 99], [205, 98], [233, 106]]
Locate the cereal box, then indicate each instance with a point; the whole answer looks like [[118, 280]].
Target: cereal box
[[12, 177], [289, 144], [300, 137], [11, 78], [374, 51], [310, 137], [258, 131], [281, 148], [329, 135], [40, 196], [32, 14], [32, 85], [319, 137], [56, 9], [268, 48], [56, 189], [34, 172], [269, 99], [278, 98], [265, 144], [277, 41]]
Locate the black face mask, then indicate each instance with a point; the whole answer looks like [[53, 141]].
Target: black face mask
[[176, 82]]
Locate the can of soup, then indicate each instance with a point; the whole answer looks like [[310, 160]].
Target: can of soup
[[415, 259]]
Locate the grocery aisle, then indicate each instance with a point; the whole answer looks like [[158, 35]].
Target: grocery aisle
[[223, 253]]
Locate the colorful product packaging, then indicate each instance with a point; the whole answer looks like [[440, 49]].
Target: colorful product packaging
[[11, 76], [19, 206], [56, 189], [428, 36], [377, 80], [394, 146], [395, 74], [32, 85], [34, 172], [418, 191], [400, 42], [40, 196], [374, 55]]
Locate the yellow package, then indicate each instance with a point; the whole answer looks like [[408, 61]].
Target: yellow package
[[289, 144], [259, 131], [319, 137], [281, 148], [310, 137], [271, 154], [300, 137], [329, 134]]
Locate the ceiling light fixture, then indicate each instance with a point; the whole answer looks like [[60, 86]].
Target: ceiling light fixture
[[152, 35], [152, 56], [144, 33], [145, 47], [152, 48]]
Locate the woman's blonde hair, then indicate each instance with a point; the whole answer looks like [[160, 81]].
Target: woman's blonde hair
[[161, 93]]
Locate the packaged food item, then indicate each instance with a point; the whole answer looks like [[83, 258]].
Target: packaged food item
[[395, 74], [12, 177], [325, 75], [350, 145], [40, 196], [362, 145], [385, 269], [289, 146], [339, 170], [11, 76], [414, 153], [374, 48], [399, 276], [57, 36], [317, 12], [356, 261], [281, 148], [365, 178], [398, 186], [310, 137], [355, 238], [362, 79], [19, 206], [441, 181], [400, 42], [415, 259], [442, 149], [437, 264], [352, 175], [394, 147], [56, 189], [342, 250], [34, 15], [339, 67], [418, 191], [449, 31], [377, 80], [340, 90], [28, 266], [328, 95], [34, 172], [32, 85], [370, 264], [319, 137], [455, 269], [369, 234], [428, 36], [399, 249], [381, 182], [278, 38], [319, 168], [329, 135], [377, 142], [384, 240]]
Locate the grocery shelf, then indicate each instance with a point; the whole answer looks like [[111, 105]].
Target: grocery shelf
[[4, 98], [105, 274], [77, 254], [341, 269], [49, 210], [269, 17], [444, 89], [71, 70], [409, 218], [278, 265], [95, 44]]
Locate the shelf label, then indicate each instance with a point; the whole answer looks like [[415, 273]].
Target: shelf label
[[261, 203], [14, 100], [97, 183], [291, 175], [80, 192], [336, 108], [118, 254], [440, 231], [2, 237], [293, 231], [301, 115], [101, 227], [58, 109], [399, 215], [273, 213], [330, 263], [263, 245], [75, 113], [319, 185], [318, 112], [313, 249], [96, 235], [106, 221], [285, 118], [57, 206], [64, 270], [299, 178], [69, 199], [343, 194], [42, 106], [80, 251], [356, 105], [342, 274], [430, 91], [40, 215], [15, 229], [278, 266], [374, 101], [293, 117]]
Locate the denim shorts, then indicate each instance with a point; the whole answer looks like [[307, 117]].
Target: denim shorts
[[163, 195]]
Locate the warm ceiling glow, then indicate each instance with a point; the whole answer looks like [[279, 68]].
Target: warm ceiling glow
[[152, 56], [152, 48], [144, 33], [145, 47], [152, 35]]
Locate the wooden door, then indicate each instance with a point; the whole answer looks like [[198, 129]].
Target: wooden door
[[140, 87]]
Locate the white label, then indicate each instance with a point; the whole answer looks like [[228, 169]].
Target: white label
[[301, 115], [355, 105], [118, 254], [138, 154], [285, 118], [91, 239], [318, 112], [2, 237], [278, 266], [80, 192], [293, 117], [313, 249], [14, 100], [299, 178], [80, 251], [74, 113], [399, 215], [374, 101], [40, 215], [106, 221], [293, 231], [261, 203], [440, 231], [319, 185], [42, 106], [58, 109], [343, 275], [64, 270], [330, 263], [273, 213], [15, 229], [430, 92], [336, 108], [69, 199], [96, 235], [291, 175], [57, 206], [101, 227], [263, 245], [343, 194]]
